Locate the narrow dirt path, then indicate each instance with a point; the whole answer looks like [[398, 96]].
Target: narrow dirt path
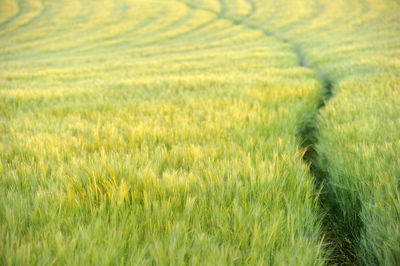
[[342, 248]]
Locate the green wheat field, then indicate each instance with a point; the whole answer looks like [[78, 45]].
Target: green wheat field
[[199, 132]]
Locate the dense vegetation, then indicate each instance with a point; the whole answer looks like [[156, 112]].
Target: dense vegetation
[[199, 132]]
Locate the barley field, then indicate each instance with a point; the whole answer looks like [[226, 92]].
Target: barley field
[[200, 132]]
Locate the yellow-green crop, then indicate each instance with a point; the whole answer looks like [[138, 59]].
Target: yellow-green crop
[[199, 132]]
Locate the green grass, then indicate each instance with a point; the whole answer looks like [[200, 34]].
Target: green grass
[[167, 132]]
